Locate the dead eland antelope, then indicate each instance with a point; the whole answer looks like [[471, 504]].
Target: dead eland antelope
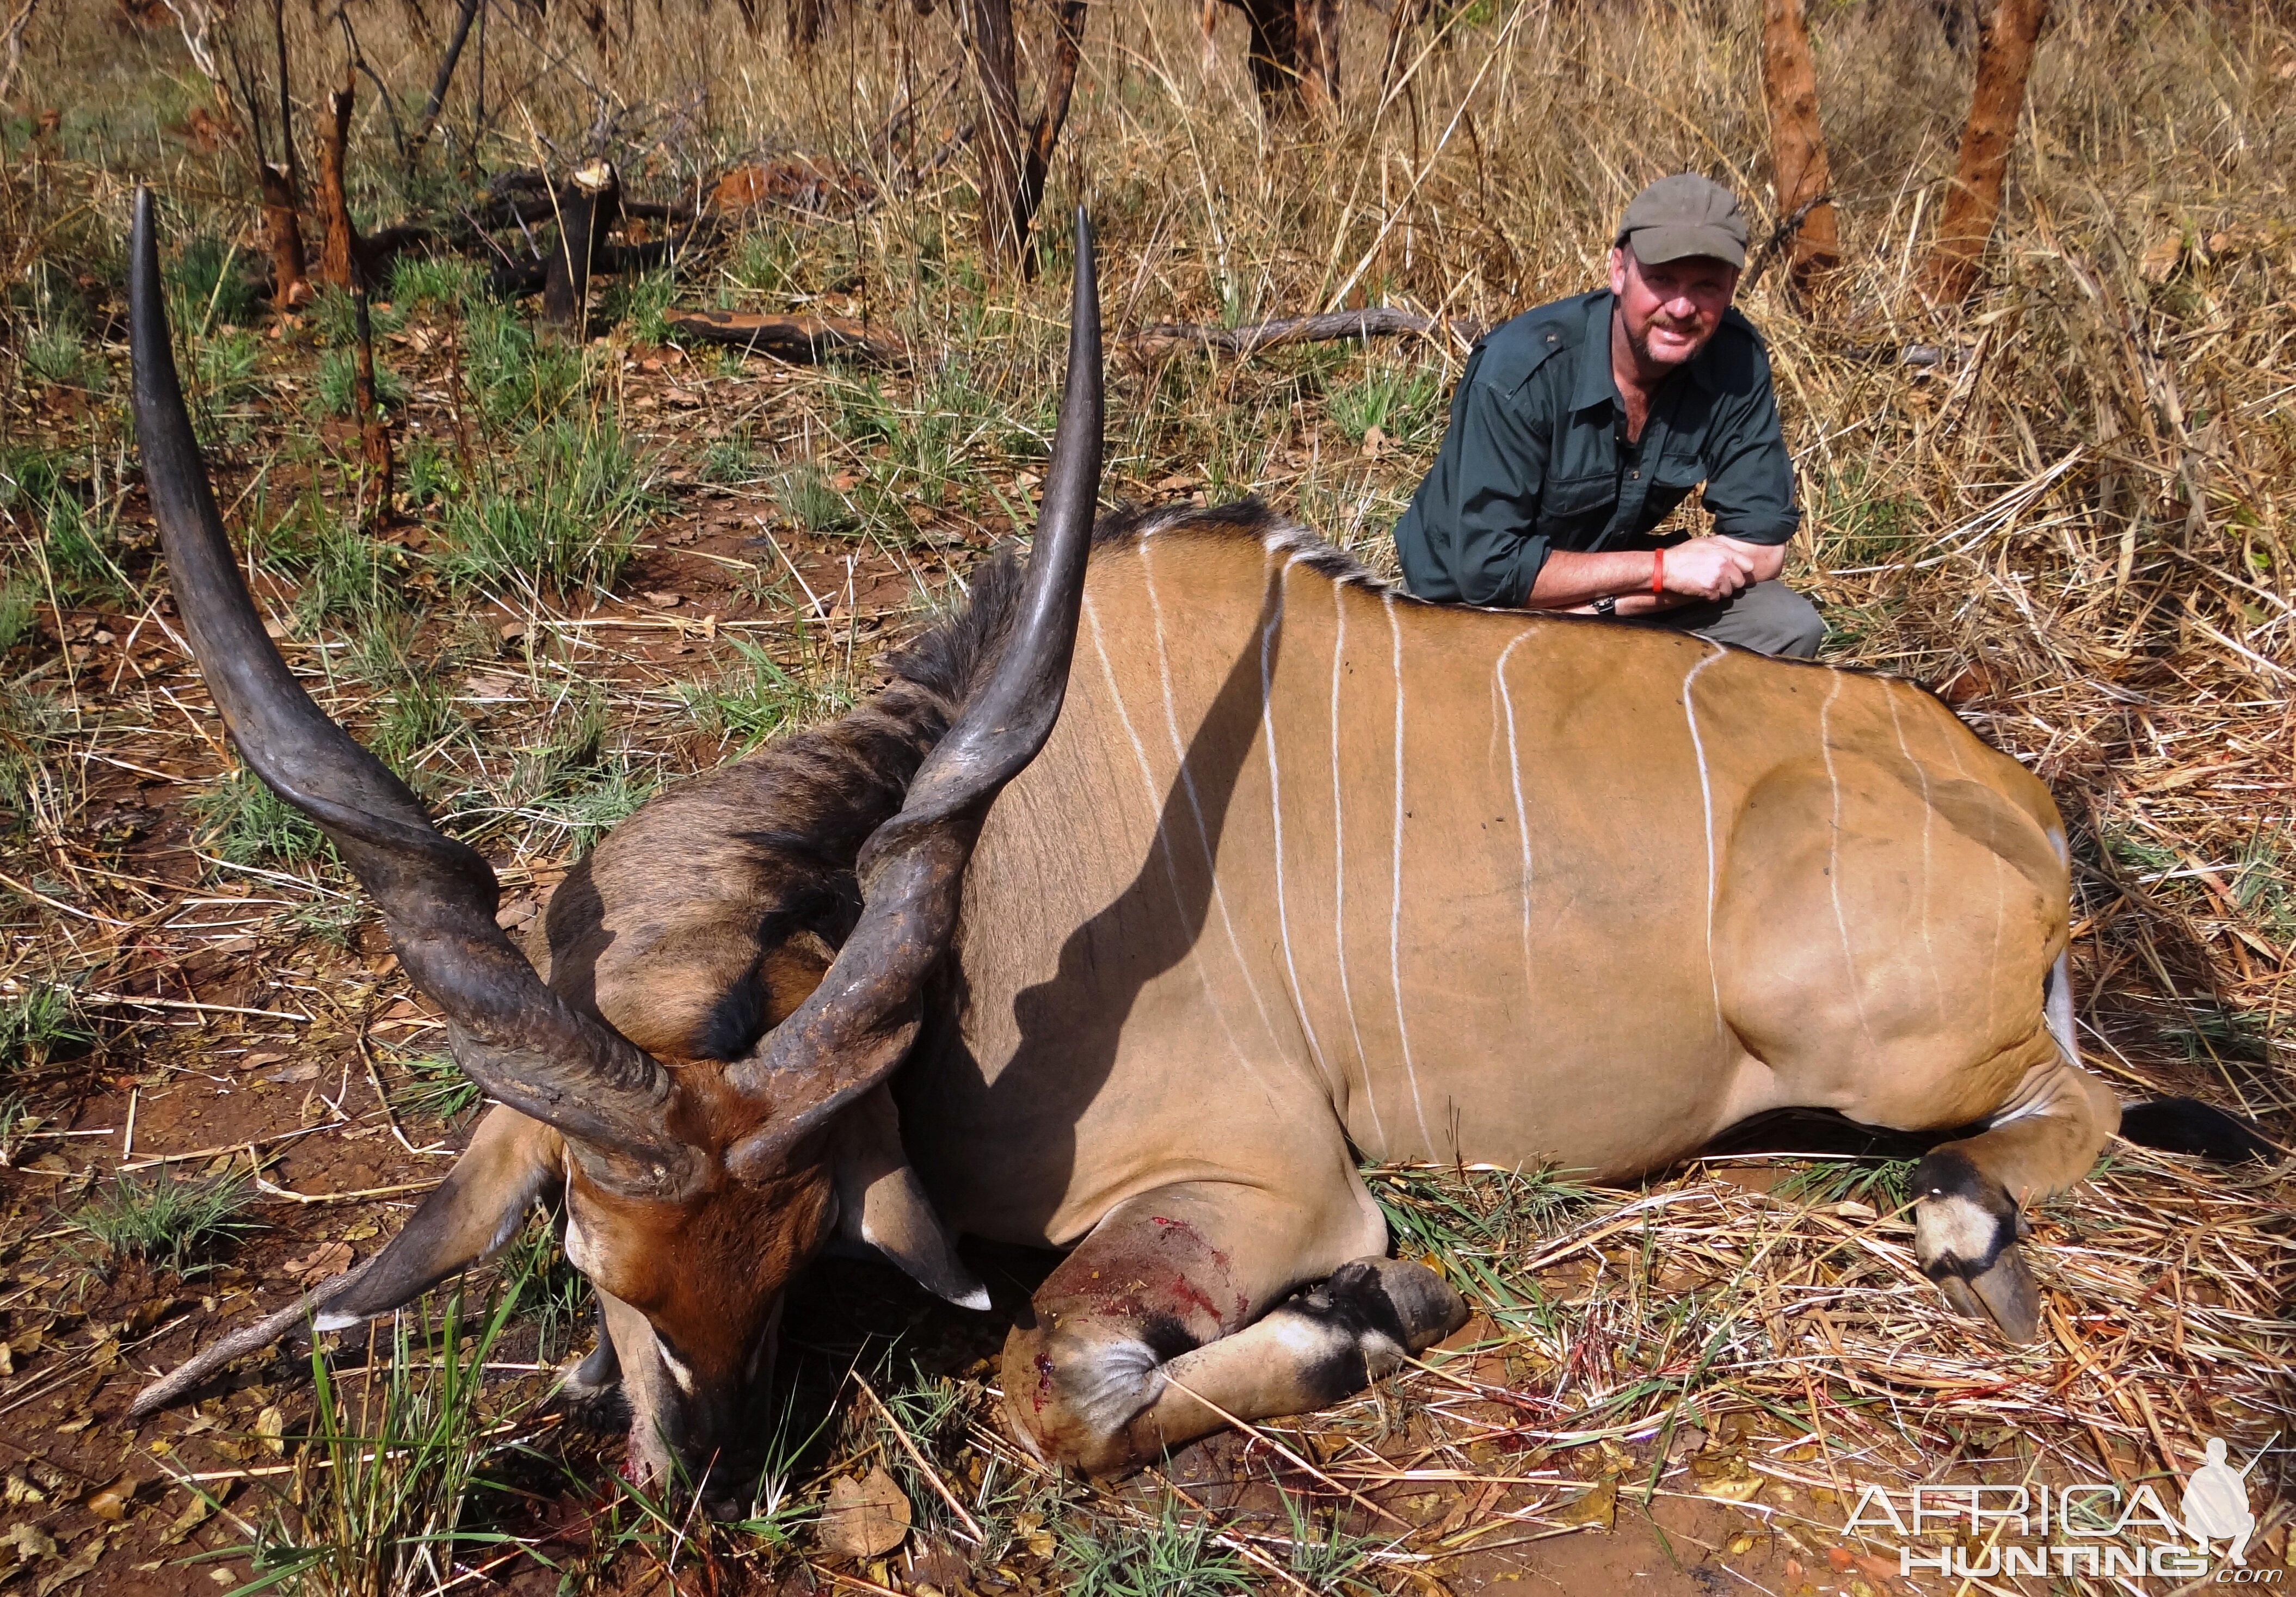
[[1302, 872]]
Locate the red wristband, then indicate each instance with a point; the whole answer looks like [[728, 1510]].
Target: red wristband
[[1658, 573]]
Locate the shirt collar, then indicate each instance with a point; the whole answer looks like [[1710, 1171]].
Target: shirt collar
[[1596, 385]]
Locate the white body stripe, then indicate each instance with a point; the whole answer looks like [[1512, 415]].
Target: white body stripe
[[1395, 911], [1706, 799], [1514, 773], [1339, 862]]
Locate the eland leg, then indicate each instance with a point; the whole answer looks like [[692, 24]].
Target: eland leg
[[1969, 1195], [1176, 1315]]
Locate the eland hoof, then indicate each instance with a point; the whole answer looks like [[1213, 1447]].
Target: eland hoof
[[2005, 1292]]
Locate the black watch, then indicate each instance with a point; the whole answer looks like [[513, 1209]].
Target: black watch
[[1607, 605]]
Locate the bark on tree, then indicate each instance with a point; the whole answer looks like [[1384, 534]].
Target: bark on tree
[[1294, 54], [588, 206], [2005, 59], [1045, 133], [283, 234], [1316, 28], [339, 256], [446, 77], [1798, 165], [806, 19], [374, 427], [996, 136]]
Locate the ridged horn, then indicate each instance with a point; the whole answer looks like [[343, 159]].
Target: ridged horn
[[512, 1036], [856, 1026]]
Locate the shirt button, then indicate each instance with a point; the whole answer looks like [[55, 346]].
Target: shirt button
[[1636, 474]]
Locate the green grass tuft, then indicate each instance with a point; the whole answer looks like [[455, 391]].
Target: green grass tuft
[[1175, 1555], [175, 1224], [37, 1022], [565, 514], [246, 823]]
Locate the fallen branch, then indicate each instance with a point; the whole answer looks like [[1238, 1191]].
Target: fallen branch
[[238, 1344], [1377, 322], [809, 340]]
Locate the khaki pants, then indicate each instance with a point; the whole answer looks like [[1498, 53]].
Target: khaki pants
[[1769, 617]]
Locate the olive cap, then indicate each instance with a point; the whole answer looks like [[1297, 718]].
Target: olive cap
[[1684, 215]]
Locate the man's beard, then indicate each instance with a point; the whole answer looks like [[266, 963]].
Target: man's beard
[[1639, 342]]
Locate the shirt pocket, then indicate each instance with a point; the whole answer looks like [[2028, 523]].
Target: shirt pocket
[[1670, 484], [1574, 511]]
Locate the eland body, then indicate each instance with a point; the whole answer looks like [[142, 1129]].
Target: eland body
[[1147, 897]]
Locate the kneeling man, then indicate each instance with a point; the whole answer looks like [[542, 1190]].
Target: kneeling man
[[1579, 426]]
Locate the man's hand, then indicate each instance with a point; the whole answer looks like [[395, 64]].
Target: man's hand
[[1713, 567]]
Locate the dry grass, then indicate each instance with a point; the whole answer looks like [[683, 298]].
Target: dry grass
[[2071, 518]]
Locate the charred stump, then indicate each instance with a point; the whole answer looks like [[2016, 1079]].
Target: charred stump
[[588, 206], [340, 255], [2007, 35], [1798, 164], [282, 236]]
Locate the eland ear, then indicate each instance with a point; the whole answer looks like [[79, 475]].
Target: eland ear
[[469, 1217], [882, 1204]]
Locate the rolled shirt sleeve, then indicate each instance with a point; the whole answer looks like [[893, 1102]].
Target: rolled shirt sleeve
[[1468, 536]]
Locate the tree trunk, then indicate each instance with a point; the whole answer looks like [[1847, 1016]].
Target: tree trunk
[[806, 17], [587, 208], [374, 427], [1316, 69], [2004, 58], [338, 257], [446, 77], [988, 41], [283, 233], [1274, 52], [1046, 132], [1798, 165]]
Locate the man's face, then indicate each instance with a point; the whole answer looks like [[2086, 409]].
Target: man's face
[[1668, 311]]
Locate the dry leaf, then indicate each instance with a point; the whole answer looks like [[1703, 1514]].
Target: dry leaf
[[665, 600], [1597, 1507], [30, 1542], [328, 1258], [111, 1503], [1034, 1536], [271, 1427], [194, 1515], [2161, 257], [867, 1517], [82, 1562], [1728, 1478]]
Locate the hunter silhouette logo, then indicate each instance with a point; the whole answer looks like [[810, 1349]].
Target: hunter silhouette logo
[[2216, 1505]]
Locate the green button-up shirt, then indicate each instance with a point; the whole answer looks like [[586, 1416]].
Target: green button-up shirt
[[1537, 456]]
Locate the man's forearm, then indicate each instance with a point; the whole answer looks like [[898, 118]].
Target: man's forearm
[[1567, 579], [1708, 568]]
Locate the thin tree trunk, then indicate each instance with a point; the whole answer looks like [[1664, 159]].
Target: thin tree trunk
[[283, 233], [19, 17], [587, 208], [806, 18], [1274, 52], [338, 257], [2005, 59], [988, 41], [1798, 165], [374, 427], [446, 77], [1046, 132], [1316, 65]]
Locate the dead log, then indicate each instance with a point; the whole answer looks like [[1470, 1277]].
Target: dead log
[[282, 236], [1376, 322], [792, 183], [1799, 171], [587, 208], [2006, 36], [338, 256], [806, 340]]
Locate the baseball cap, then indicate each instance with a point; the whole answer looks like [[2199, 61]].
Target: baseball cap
[[1684, 215]]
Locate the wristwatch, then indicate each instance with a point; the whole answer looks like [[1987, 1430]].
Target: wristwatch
[[1607, 605]]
